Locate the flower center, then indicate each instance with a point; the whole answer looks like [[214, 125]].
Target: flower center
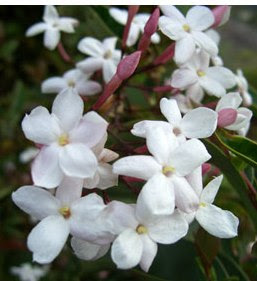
[[200, 73], [141, 229], [108, 54], [65, 212], [202, 204], [186, 27], [71, 84], [168, 170], [176, 131], [63, 139]]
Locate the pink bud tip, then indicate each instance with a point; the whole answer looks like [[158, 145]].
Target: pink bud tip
[[221, 15], [206, 167], [152, 23], [128, 65], [226, 117]]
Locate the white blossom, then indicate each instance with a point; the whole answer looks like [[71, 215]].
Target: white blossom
[[214, 35], [137, 25], [74, 79], [189, 31], [28, 154], [67, 138], [52, 27], [27, 272], [102, 56], [242, 85]]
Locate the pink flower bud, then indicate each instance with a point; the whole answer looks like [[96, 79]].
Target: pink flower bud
[[226, 117], [167, 55], [221, 15], [206, 167], [128, 65], [141, 149]]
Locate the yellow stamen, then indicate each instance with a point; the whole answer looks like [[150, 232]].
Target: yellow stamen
[[63, 139], [168, 170], [65, 212], [186, 27], [202, 204], [141, 229], [200, 73]]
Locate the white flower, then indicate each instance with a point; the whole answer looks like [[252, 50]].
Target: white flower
[[197, 123], [214, 35], [242, 85], [165, 171], [74, 79], [218, 222], [233, 101], [137, 25], [196, 76], [52, 27], [184, 103], [66, 212], [139, 232], [27, 272], [28, 154], [188, 32], [102, 55], [67, 138], [104, 176]]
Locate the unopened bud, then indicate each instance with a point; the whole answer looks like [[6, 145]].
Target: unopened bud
[[221, 15], [128, 65], [206, 167], [226, 117]]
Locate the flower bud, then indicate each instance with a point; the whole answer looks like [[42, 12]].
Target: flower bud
[[128, 65], [226, 117], [221, 15], [206, 167]]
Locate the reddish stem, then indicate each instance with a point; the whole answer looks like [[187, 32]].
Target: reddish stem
[[65, 56]]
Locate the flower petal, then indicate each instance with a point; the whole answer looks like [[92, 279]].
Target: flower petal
[[183, 77], [127, 249], [67, 24], [51, 38], [171, 28], [88, 251], [90, 65], [91, 46], [156, 198], [172, 12], [109, 69], [106, 176], [184, 49], [170, 110], [120, 15], [142, 167], [243, 117], [53, 85], [199, 123], [217, 222], [205, 42], [195, 92], [77, 160], [68, 107], [200, 18], [47, 239], [50, 14], [45, 170], [27, 198], [168, 229], [195, 179], [188, 156], [110, 43], [230, 100], [209, 192], [133, 35], [88, 88], [212, 87], [36, 29], [222, 75], [149, 252], [40, 127]]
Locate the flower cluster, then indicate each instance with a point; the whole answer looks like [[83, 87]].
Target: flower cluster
[[72, 163]]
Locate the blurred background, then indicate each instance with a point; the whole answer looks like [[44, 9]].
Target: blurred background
[[25, 63]]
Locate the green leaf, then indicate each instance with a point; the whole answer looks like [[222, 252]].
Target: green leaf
[[224, 164], [243, 147]]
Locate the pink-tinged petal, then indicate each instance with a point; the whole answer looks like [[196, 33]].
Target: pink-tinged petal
[[205, 42], [226, 117], [90, 65], [88, 88], [27, 198], [221, 15], [142, 167], [186, 199], [217, 222], [173, 13], [170, 110], [183, 77], [47, 239], [189, 156], [88, 133], [88, 251], [149, 252], [53, 85], [91, 46], [168, 229], [40, 127], [51, 38], [200, 18], [212, 87], [127, 249], [46, 171], [230, 100], [50, 14], [77, 160], [36, 29], [199, 123], [156, 198], [184, 49], [68, 108], [195, 179], [244, 116], [69, 190], [222, 75], [210, 191]]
